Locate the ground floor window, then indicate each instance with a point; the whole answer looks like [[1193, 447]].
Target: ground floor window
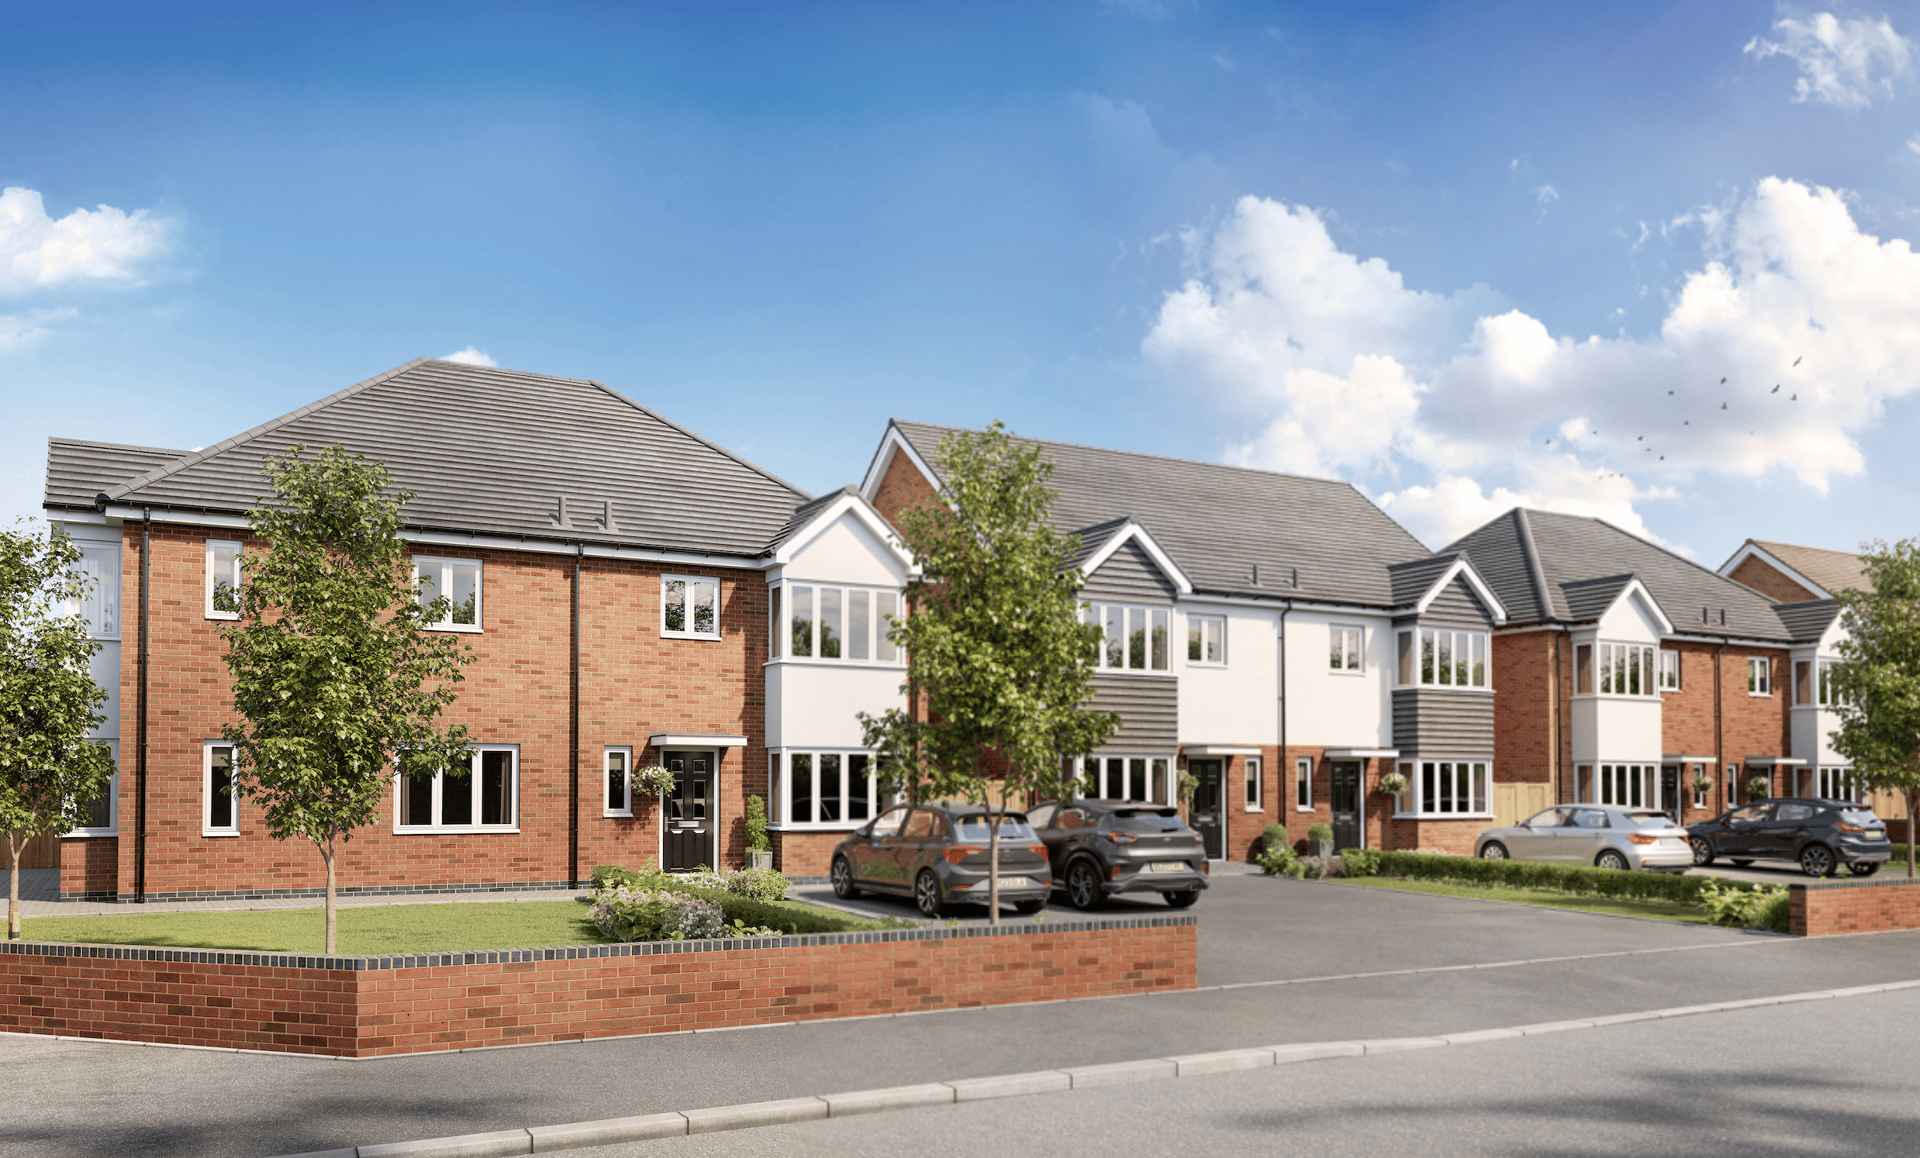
[[1626, 785], [101, 815], [1839, 784], [823, 787], [1448, 787], [478, 794], [218, 816], [619, 780], [1126, 778], [1303, 784], [1251, 770]]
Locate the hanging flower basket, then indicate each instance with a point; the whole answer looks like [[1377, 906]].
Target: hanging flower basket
[[1393, 783], [652, 781], [1701, 785]]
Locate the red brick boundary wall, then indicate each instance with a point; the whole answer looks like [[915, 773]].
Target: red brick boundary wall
[[373, 1006], [1869, 906]]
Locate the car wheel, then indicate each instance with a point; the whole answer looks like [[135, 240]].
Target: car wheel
[[1083, 887], [1702, 851], [1493, 850], [1741, 861], [1864, 868], [926, 894], [1183, 900], [842, 874], [1028, 908], [1610, 859], [1816, 860]]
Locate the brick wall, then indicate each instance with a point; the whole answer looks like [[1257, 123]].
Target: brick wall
[[804, 854], [1866, 906], [366, 1007], [902, 486], [1526, 726], [1768, 581]]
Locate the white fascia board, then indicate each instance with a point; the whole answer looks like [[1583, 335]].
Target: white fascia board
[[1680, 758], [77, 517], [1728, 640], [1635, 587], [1220, 750], [181, 518], [695, 740], [1134, 531], [894, 443], [862, 510], [1751, 551], [1286, 603], [1362, 753], [1462, 568]]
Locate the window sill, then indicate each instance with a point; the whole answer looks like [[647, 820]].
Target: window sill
[[90, 834], [1304, 808], [1253, 808], [818, 826], [220, 833], [628, 815], [815, 661], [692, 635], [454, 830], [1759, 695], [455, 628], [1445, 815], [1201, 664], [1135, 671], [1344, 671], [224, 616]]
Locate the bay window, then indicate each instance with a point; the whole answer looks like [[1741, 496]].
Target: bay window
[[1448, 787], [823, 788], [1625, 785], [1132, 638], [848, 624], [1125, 778], [1624, 669], [1446, 658]]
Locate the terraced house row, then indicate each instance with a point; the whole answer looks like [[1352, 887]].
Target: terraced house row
[[637, 595]]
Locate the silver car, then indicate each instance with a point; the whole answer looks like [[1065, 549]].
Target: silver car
[[1602, 835]]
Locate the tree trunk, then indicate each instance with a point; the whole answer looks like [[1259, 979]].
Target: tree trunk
[[13, 887], [326, 854], [1913, 799]]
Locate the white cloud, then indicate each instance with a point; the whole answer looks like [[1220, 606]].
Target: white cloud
[[1842, 62], [470, 357], [17, 330], [87, 245], [1458, 410]]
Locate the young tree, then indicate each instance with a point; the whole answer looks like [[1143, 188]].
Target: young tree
[[49, 770], [1877, 681], [335, 680], [998, 660]]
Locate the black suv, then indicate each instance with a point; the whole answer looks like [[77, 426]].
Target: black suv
[[1097, 848], [1821, 834]]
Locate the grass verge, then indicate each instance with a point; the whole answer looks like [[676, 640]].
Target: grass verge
[[370, 931], [1656, 910]]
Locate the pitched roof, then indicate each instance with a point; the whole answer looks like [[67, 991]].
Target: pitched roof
[[1808, 621], [492, 451], [1413, 579], [1540, 563], [1219, 522], [78, 470], [1836, 571]]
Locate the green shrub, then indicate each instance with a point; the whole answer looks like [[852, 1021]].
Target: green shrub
[[1274, 836], [625, 914], [1278, 860], [1319, 832], [1765, 907], [761, 884], [606, 876], [757, 826], [1359, 862], [1575, 879], [786, 916]]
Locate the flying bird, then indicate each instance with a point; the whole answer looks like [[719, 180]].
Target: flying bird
[[1639, 438], [1723, 381], [1794, 398], [1796, 361], [1723, 406], [1776, 388]]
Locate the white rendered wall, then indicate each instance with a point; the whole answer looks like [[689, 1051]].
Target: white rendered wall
[[1333, 709], [1618, 729], [1238, 703], [845, 552], [814, 705]]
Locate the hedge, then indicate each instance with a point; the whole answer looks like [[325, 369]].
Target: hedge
[[1559, 878], [786, 916]]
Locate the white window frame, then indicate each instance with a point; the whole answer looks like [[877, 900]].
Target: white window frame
[[1412, 671], [1613, 783], [213, 577], [1339, 635], [1759, 672], [780, 789], [100, 606], [441, 585], [686, 614], [1415, 801], [1158, 772], [1617, 666], [881, 651], [1666, 671], [607, 753], [1203, 625], [1839, 776], [1303, 784], [113, 802], [1253, 791], [1098, 614], [207, 827], [1700, 797], [1732, 782], [402, 783]]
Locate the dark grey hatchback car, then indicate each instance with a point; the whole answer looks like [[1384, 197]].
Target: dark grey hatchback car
[[938, 854], [1821, 834], [1100, 848]]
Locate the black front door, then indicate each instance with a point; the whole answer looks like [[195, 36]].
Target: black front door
[[1347, 832], [1670, 790], [687, 843], [1208, 817]]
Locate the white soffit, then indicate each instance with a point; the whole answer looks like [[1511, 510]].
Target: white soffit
[[1218, 750], [1774, 762], [696, 740], [1362, 753], [1674, 758]]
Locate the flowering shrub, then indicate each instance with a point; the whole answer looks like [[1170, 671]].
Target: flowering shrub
[[626, 914], [760, 884]]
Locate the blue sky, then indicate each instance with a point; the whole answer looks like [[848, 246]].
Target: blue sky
[[1456, 254]]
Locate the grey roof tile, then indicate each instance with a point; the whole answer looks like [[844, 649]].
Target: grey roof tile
[[1808, 621], [1413, 579], [1589, 598], [78, 470]]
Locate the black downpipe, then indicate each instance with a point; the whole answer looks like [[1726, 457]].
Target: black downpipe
[[1719, 731], [1285, 777], [1559, 726], [140, 755], [573, 733]]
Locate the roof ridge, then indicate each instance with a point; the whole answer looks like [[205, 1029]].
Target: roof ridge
[[1536, 570], [1740, 588], [126, 488], [55, 438], [755, 467]]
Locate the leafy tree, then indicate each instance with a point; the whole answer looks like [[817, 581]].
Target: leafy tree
[[998, 660], [1877, 681], [335, 680], [50, 772]]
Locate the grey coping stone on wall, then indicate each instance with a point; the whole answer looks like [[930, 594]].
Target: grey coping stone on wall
[[608, 1131], [1123, 1073], [1010, 1085], [1479, 1035], [349, 1152], [1554, 1026], [754, 1114], [891, 1098], [1314, 1051], [1402, 1044], [493, 1145], [1222, 1061]]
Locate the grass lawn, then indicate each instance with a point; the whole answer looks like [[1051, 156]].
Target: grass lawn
[[369, 931], [1658, 910]]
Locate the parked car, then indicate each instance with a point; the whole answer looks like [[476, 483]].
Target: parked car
[[1100, 848], [938, 854], [1602, 835], [1820, 834]]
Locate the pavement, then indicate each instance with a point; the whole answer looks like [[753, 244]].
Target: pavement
[[1282, 962]]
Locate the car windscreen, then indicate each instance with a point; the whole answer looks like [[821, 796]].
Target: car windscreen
[[1144, 820], [976, 828], [1650, 819], [1861, 816]]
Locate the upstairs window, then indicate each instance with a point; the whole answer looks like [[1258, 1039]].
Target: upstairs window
[[1207, 639], [1667, 674], [689, 607], [1624, 669], [455, 580], [223, 579], [1759, 676], [1813, 682], [835, 623], [1132, 638], [1343, 648], [1446, 658]]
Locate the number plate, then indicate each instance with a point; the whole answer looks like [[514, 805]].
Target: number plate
[[1016, 882], [1167, 866], [1876, 834]]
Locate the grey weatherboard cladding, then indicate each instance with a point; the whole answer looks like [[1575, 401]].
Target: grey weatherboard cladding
[[1438, 723], [1129, 575], [1148, 707], [491, 451]]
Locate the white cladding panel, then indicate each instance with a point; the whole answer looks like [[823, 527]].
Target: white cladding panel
[[846, 551], [1629, 621], [1622, 730], [1238, 703], [105, 668], [813, 705], [1328, 708]]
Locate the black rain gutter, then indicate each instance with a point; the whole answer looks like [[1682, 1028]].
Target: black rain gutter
[[1284, 772], [140, 761], [573, 732]]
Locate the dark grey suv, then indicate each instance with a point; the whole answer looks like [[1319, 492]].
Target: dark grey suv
[[1821, 834], [938, 854], [1098, 848]]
